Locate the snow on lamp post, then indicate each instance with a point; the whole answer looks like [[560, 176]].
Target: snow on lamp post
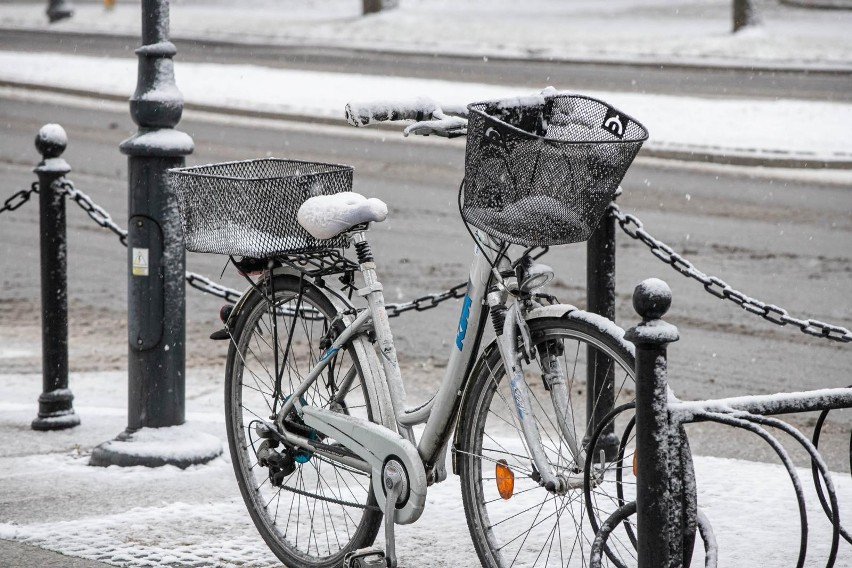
[[156, 265]]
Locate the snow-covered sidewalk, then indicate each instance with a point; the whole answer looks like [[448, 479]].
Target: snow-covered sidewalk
[[137, 516], [684, 32], [782, 129]]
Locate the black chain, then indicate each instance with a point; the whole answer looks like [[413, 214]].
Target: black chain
[[100, 216], [329, 499], [19, 198], [97, 213], [427, 302], [207, 286], [719, 288]]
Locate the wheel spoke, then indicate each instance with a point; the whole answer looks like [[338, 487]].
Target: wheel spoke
[[534, 527], [327, 511]]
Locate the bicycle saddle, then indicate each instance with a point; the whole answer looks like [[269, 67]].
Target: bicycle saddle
[[326, 216]]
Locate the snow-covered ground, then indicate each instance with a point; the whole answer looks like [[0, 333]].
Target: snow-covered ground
[[696, 31], [168, 517], [774, 128]]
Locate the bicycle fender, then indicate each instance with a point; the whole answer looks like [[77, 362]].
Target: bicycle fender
[[568, 311], [238, 307]]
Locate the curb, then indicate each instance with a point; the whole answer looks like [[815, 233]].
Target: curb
[[820, 4], [661, 150]]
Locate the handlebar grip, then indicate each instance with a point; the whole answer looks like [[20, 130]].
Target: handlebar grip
[[363, 113]]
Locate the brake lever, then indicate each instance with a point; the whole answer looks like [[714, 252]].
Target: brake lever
[[449, 127]]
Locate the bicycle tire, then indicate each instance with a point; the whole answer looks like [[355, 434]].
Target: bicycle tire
[[342, 496], [815, 473], [494, 521]]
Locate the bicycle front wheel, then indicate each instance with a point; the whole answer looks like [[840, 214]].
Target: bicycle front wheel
[[529, 525], [310, 510]]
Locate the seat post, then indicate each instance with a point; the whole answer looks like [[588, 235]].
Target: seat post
[[372, 291]]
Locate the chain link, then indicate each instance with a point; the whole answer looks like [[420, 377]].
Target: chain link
[[97, 213], [630, 224], [427, 302], [19, 198], [719, 288], [207, 286], [100, 216]]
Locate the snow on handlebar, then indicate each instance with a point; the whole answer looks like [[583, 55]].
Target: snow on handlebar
[[363, 113], [428, 116]]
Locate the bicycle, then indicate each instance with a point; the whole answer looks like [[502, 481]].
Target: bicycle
[[321, 436]]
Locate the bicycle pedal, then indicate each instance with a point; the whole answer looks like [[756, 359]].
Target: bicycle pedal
[[371, 557], [221, 334]]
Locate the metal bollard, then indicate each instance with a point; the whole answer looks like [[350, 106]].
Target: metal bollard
[[156, 258], [600, 291], [59, 10], [373, 6], [652, 299], [744, 14], [55, 409]]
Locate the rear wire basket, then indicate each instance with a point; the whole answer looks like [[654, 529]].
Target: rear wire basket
[[541, 170], [249, 208]]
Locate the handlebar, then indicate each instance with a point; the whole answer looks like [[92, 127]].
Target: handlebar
[[360, 114], [428, 116]]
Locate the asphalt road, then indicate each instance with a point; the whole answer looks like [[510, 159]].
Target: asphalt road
[[780, 236], [578, 76]]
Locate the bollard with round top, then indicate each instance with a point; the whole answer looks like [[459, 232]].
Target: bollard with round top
[[55, 409], [652, 299]]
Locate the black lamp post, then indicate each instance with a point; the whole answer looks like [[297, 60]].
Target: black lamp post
[[156, 258]]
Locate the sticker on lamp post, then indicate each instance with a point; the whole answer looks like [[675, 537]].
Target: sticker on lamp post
[[140, 262]]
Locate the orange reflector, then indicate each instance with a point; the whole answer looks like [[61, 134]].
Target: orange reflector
[[505, 479], [634, 463]]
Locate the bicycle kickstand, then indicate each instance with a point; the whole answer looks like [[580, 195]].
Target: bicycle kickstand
[[396, 485]]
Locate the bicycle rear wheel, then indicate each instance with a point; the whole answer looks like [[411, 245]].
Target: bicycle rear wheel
[[535, 527], [310, 510]]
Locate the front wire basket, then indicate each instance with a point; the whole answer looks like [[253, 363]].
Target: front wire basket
[[249, 208], [541, 170]]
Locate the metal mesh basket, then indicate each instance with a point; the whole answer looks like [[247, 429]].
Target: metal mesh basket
[[541, 170], [249, 208]]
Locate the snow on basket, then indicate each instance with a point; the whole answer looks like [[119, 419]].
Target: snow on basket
[[249, 208], [541, 170]]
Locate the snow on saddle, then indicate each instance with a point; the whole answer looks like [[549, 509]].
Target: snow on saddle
[[326, 216]]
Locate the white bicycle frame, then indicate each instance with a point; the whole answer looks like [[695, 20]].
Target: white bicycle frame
[[439, 413]]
